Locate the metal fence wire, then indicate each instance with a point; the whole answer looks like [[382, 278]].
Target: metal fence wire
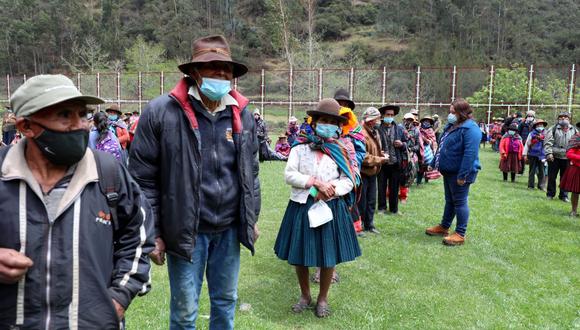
[[284, 93]]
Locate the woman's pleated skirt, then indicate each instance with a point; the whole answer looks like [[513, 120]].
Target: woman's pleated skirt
[[325, 246]]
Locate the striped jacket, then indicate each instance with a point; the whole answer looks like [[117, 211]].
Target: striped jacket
[[77, 269]]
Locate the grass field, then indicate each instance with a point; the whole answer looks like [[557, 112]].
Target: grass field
[[520, 267]]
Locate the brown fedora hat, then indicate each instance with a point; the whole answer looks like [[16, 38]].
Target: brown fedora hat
[[395, 108], [328, 108], [213, 48], [114, 107], [342, 95], [540, 121]]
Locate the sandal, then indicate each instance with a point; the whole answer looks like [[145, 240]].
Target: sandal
[[300, 307], [322, 311], [335, 277], [315, 278]]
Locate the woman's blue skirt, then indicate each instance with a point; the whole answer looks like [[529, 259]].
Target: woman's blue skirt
[[325, 246]]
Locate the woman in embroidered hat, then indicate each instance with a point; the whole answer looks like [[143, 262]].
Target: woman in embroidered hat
[[201, 134], [317, 229]]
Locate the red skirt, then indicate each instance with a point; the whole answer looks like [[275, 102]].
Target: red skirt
[[510, 164], [571, 179]]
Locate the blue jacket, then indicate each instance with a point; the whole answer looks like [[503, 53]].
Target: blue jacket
[[459, 153]]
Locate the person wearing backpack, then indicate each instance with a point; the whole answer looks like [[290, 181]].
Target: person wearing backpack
[[555, 143], [101, 138], [74, 243]]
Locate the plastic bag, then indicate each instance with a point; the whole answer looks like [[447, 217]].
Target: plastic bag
[[319, 214]]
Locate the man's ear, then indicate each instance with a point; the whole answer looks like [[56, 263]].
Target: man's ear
[[24, 127]]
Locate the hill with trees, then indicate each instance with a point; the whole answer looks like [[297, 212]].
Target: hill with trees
[[40, 36]]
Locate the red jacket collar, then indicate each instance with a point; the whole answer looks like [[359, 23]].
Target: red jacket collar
[[180, 94]]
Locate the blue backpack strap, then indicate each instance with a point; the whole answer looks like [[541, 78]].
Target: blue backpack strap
[[109, 181]]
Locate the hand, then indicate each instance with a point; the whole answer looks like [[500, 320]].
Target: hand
[[460, 182], [550, 158], [324, 188], [384, 159], [13, 265], [158, 254], [119, 309], [398, 143], [256, 232]]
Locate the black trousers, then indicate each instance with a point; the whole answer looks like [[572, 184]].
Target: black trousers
[[368, 201], [536, 168], [558, 165], [390, 175]]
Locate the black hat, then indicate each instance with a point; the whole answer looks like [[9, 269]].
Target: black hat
[[343, 95], [328, 108], [384, 108]]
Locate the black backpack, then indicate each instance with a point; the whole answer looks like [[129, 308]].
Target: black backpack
[[109, 181]]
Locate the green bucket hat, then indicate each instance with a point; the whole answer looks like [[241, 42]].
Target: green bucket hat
[[42, 91]]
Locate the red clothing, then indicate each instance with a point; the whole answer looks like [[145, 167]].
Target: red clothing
[[504, 147], [573, 155], [123, 136]]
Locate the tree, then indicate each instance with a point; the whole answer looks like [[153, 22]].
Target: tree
[[143, 56]]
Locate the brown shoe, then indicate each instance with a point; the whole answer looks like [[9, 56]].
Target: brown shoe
[[437, 231], [454, 239]]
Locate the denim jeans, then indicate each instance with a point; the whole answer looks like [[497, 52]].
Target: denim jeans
[[455, 204], [218, 255]]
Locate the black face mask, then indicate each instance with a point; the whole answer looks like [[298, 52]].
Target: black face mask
[[63, 148]]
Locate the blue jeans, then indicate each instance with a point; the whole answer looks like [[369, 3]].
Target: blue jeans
[[455, 204], [218, 255]]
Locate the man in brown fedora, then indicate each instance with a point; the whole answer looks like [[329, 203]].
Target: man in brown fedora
[[195, 157]]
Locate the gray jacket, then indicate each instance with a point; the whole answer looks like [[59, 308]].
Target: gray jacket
[[556, 140], [82, 259]]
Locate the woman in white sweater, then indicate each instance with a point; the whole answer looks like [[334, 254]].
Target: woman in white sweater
[[319, 169]]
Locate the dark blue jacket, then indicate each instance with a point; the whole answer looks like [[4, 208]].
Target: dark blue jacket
[[459, 152], [166, 161], [401, 135]]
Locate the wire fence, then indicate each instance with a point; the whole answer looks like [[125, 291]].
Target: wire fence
[[280, 94]]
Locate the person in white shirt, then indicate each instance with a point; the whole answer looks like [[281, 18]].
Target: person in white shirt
[[322, 177]]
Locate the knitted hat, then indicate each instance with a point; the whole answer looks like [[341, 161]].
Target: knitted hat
[[371, 113]]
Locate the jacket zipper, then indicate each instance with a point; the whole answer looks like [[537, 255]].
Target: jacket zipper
[[48, 260]]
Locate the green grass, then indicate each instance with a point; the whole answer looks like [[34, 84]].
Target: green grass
[[520, 267]]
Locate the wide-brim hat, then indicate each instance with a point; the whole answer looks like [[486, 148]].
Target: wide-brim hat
[[429, 119], [113, 107], [541, 121], [43, 91], [384, 108], [212, 49], [342, 95], [409, 115], [328, 108]]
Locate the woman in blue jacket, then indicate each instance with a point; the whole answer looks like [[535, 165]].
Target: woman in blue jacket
[[458, 160]]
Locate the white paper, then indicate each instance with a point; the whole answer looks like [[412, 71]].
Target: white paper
[[319, 214]]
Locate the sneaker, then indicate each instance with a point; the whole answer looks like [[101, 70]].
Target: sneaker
[[565, 199], [437, 231], [453, 239], [550, 197], [573, 214]]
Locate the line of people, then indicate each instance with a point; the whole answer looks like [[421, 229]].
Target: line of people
[[76, 250], [548, 150]]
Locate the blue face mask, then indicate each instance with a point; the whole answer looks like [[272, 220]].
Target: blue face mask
[[388, 120], [214, 89], [512, 133], [327, 131], [426, 125], [113, 117], [451, 118], [540, 128]]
